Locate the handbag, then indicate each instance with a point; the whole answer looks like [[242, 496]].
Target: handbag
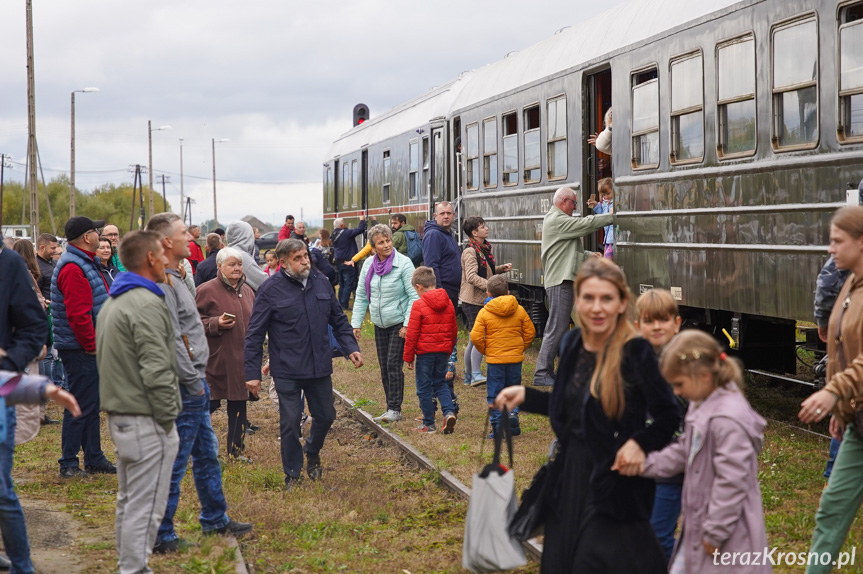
[[488, 546]]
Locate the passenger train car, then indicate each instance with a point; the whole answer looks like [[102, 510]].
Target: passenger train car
[[737, 132]]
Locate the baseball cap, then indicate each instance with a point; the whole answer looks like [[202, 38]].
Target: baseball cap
[[78, 226]]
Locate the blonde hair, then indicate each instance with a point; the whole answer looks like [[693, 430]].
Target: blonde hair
[[656, 305], [605, 183], [424, 277], [609, 390], [693, 351]]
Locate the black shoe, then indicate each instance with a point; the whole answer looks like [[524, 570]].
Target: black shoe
[[176, 545], [250, 431], [104, 468], [233, 527], [291, 482], [514, 426], [252, 427], [46, 420], [543, 382], [72, 472], [5, 564], [313, 467]]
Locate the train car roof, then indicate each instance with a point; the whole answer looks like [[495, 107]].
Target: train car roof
[[618, 27], [406, 117]]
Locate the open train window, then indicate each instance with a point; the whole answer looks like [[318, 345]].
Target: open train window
[[850, 125], [426, 159], [413, 148], [330, 191], [687, 109], [735, 103], [345, 184], [355, 182], [510, 148], [472, 171], [795, 84], [645, 119], [556, 135], [385, 187], [532, 155], [489, 153]]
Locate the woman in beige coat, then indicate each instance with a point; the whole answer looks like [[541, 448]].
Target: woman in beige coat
[[225, 306]]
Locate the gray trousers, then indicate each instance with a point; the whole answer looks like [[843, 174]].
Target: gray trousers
[[145, 458], [560, 299]]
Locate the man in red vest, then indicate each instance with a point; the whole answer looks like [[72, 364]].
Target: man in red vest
[[197, 253]]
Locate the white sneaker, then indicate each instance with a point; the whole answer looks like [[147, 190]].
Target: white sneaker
[[389, 417]]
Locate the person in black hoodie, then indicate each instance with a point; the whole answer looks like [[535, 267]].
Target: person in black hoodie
[[597, 519]]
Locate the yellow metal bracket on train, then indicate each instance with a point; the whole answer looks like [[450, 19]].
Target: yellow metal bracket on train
[[731, 343]]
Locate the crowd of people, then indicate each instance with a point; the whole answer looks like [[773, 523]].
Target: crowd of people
[[655, 466]]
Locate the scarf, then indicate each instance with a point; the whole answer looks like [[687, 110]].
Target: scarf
[[487, 259], [379, 268]]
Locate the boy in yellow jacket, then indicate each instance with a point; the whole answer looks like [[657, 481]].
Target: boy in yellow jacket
[[501, 332]]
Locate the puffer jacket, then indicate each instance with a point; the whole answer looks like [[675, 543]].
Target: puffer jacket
[[432, 327], [502, 331], [64, 335], [239, 234], [392, 295], [847, 384]]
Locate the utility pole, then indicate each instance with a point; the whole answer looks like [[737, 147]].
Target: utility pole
[[215, 212], [72, 166], [31, 125], [137, 186], [150, 131], [182, 200], [188, 216], [3, 165], [164, 197]]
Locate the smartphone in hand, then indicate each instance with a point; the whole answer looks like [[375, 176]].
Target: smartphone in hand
[[229, 316]]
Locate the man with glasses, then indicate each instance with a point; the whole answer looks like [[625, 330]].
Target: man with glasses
[[112, 232], [78, 291], [562, 255]]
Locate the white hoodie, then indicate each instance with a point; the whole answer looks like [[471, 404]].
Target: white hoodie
[[239, 234]]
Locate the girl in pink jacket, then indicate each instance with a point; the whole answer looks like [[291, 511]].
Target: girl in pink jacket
[[723, 524]]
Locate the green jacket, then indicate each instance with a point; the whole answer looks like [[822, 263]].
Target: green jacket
[[137, 358], [562, 247], [115, 260], [399, 240]]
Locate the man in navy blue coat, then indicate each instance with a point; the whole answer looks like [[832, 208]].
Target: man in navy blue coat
[[344, 248], [441, 251], [294, 307]]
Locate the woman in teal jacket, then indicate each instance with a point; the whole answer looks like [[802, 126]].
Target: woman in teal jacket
[[385, 290]]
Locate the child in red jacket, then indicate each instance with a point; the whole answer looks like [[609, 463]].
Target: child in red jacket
[[432, 333]]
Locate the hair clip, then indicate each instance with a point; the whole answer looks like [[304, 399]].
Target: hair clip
[[723, 355], [693, 355]]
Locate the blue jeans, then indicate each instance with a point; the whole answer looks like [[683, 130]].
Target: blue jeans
[[431, 382], [500, 376], [198, 440], [666, 511], [319, 395], [347, 283], [834, 450], [11, 516], [82, 432], [46, 366]]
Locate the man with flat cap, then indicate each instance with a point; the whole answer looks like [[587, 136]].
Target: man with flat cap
[[78, 291]]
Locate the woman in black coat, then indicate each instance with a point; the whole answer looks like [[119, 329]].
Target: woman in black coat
[[597, 520]]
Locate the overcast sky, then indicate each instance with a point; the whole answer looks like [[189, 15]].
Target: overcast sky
[[278, 78]]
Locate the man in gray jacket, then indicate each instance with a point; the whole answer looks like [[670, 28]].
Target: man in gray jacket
[[240, 235], [138, 389], [197, 437]]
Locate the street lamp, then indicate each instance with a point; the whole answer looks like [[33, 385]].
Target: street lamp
[[72, 167], [215, 212], [150, 130]]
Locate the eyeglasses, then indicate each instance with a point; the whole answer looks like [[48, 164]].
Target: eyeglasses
[[111, 234]]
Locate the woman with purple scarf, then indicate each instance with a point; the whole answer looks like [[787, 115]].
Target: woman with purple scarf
[[385, 291]]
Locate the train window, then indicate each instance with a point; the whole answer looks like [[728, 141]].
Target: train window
[[851, 13], [687, 109], [532, 155], [510, 148], [851, 79], [472, 171], [425, 186], [735, 64], [645, 120], [330, 191], [556, 138], [489, 150], [385, 188], [414, 161], [345, 184], [795, 84], [355, 182]]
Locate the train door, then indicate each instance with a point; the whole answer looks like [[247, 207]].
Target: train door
[[338, 184], [596, 165], [364, 186], [438, 169]]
